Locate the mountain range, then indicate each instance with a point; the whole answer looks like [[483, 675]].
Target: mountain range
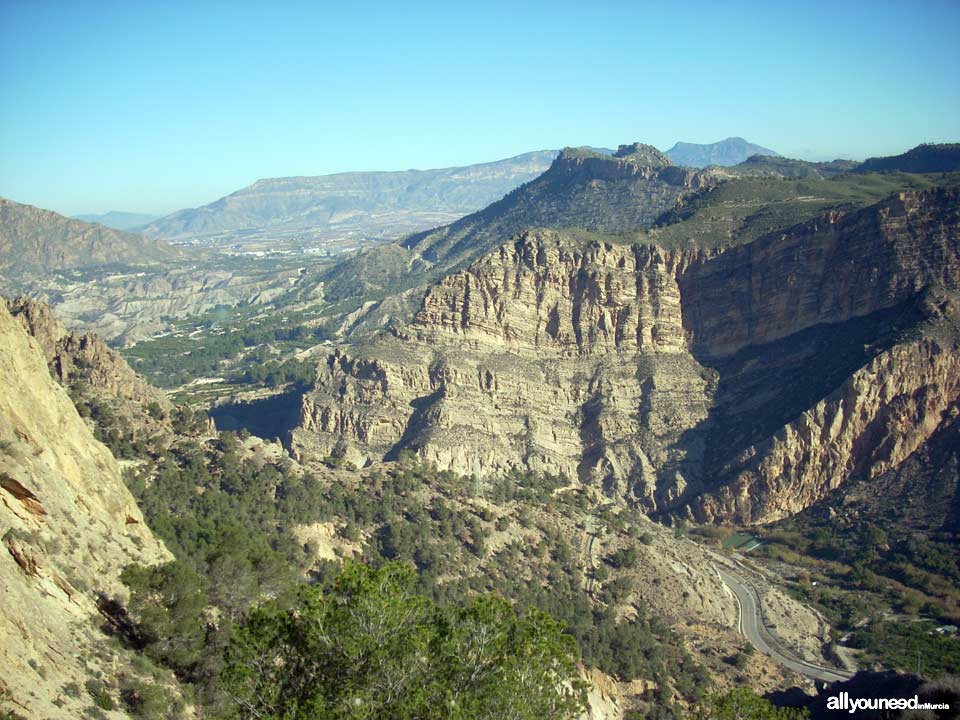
[[391, 204], [118, 220], [369, 202]]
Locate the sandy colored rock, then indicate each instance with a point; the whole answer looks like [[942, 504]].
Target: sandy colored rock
[[65, 519]]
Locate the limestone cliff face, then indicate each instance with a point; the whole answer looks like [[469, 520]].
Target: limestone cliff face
[[545, 356], [824, 271], [877, 419], [68, 527], [542, 292], [607, 363]]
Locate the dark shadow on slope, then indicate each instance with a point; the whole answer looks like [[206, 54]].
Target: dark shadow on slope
[[765, 387], [921, 496], [419, 424], [272, 417]]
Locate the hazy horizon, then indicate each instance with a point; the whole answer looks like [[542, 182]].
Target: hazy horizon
[[150, 109]]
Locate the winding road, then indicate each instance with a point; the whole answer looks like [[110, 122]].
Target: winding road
[[750, 625]]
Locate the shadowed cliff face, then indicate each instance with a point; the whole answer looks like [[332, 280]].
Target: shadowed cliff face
[[743, 385], [824, 271]]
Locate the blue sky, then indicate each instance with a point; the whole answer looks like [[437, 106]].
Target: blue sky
[[154, 106]]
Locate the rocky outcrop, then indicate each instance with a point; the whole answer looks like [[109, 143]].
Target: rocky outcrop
[[127, 410], [69, 526], [83, 358], [624, 366]]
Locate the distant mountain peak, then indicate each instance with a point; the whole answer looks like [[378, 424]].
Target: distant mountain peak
[[732, 151]]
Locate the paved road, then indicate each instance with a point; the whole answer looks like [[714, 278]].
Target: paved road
[[751, 626]]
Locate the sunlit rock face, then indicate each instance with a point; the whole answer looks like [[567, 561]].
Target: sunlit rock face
[[69, 527]]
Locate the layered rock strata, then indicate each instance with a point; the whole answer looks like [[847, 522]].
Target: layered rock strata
[[611, 364]]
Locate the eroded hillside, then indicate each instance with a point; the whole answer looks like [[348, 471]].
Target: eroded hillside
[[35, 240]]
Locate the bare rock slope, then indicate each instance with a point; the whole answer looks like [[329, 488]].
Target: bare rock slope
[[68, 526]]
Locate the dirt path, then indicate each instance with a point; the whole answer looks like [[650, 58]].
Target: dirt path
[[588, 554]]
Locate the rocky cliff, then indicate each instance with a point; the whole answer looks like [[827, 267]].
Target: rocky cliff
[[880, 416], [828, 270], [737, 385], [69, 525], [546, 355], [98, 379], [82, 358]]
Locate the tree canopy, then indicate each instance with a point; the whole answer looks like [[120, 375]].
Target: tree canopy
[[744, 704], [370, 647]]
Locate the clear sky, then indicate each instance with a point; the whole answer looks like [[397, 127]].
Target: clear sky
[[153, 106]]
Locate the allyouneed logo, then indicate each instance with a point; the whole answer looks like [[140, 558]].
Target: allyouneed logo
[[843, 701]]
